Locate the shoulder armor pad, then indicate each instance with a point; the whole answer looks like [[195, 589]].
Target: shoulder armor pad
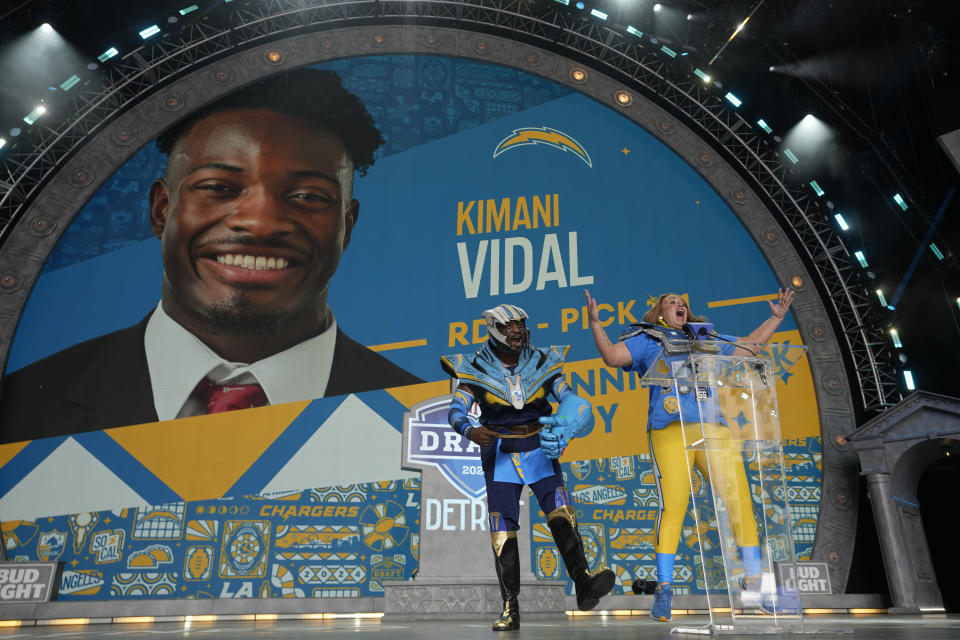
[[674, 341], [634, 329], [452, 363], [555, 353]]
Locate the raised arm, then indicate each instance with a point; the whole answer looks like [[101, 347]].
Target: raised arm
[[762, 334], [614, 355]]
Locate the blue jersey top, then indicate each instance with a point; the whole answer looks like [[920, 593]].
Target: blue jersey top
[[666, 405]]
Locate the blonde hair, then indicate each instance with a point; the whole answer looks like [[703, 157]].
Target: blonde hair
[[653, 316]]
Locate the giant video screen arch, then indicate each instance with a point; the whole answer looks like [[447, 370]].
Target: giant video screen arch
[[494, 185]]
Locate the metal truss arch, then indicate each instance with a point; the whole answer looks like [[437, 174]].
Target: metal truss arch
[[74, 151]]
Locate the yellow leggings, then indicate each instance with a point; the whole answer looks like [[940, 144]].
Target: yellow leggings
[[673, 473]]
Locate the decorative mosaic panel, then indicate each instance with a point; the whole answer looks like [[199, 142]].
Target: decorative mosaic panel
[[338, 542]]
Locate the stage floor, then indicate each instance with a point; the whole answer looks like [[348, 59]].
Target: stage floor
[[848, 627]]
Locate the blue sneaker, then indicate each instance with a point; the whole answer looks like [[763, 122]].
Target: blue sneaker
[[662, 599], [762, 593]]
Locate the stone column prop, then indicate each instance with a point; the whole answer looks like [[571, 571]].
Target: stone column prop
[[892, 545], [895, 449], [456, 578]]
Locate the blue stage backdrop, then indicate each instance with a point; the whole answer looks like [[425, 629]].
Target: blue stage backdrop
[[493, 185]]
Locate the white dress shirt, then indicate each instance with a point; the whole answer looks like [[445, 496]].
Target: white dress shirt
[[178, 361]]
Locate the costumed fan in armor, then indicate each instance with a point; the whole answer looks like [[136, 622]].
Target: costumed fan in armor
[[520, 443]]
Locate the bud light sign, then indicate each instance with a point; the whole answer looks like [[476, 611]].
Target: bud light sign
[[431, 442], [27, 581]]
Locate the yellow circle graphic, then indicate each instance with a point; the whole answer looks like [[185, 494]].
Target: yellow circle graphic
[[671, 404]]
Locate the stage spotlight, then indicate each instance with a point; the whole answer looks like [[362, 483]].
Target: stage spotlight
[[734, 100], [634, 31], [958, 303], [581, 6], [150, 31], [596, 13], [763, 125], [908, 378], [902, 357], [69, 82], [106, 55], [772, 68], [882, 298], [30, 80], [703, 76], [31, 117], [793, 158], [15, 132], [563, 2], [667, 50], [861, 258], [3, 141], [817, 189], [189, 9], [657, 7], [814, 141], [900, 201], [689, 16], [936, 251], [896, 339], [840, 221]]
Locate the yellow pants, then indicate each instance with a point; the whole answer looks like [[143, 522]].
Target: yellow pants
[[673, 483]]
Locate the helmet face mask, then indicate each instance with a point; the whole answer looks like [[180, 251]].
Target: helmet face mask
[[505, 323], [516, 335]]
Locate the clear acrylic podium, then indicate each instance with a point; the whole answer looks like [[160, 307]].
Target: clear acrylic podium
[[735, 436]]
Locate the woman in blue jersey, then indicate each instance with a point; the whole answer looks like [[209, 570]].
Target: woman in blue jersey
[[666, 325]]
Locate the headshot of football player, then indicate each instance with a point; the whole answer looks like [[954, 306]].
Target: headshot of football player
[[253, 215]]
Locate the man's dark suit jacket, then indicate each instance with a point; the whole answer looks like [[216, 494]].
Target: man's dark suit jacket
[[104, 382]]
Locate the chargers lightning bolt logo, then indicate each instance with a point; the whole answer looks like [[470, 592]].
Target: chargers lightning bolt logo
[[543, 135]]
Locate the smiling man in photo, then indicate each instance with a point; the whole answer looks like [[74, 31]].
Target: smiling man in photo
[[253, 213]]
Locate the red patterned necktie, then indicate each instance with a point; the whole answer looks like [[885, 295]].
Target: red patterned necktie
[[229, 397]]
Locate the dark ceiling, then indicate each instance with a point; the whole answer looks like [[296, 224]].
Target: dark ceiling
[[883, 74]]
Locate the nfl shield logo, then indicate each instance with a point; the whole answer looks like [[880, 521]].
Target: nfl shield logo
[[432, 442]]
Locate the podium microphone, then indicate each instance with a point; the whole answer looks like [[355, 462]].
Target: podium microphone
[[701, 330]]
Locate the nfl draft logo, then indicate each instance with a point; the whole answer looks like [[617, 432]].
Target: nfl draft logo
[[432, 442]]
